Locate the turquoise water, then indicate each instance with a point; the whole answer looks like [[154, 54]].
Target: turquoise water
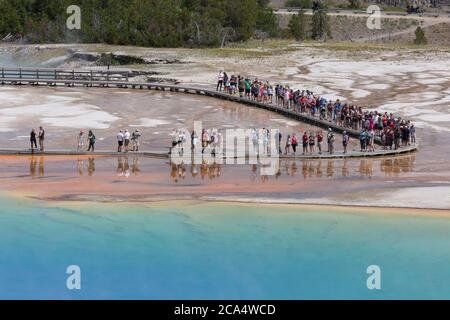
[[218, 251]]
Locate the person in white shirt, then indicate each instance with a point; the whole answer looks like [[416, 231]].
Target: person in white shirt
[[120, 141], [220, 81], [126, 140], [80, 141], [255, 140]]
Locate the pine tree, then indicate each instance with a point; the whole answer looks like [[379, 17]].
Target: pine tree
[[320, 23], [159, 23], [354, 4], [420, 39], [297, 26]]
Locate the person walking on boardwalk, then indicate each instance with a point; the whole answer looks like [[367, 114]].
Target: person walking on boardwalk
[[363, 140], [248, 88], [278, 138], [255, 141], [412, 132], [287, 149], [330, 139], [345, 141], [241, 86], [135, 140], [371, 140], [41, 137], [319, 141], [91, 140], [126, 140], [33, 140], [120, 141], [312, 143], [294, 141], [305, 141], [220, 81], [80, 141]]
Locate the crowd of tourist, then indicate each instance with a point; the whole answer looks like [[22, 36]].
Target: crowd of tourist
[[393, 132], [374, 127]]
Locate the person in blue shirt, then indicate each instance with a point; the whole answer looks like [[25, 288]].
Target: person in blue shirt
[[363, 140]]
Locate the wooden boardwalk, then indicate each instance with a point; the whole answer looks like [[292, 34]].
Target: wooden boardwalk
[[112, 79], [165, 155]]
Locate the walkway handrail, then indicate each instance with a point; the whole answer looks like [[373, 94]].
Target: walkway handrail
[[49, 74]]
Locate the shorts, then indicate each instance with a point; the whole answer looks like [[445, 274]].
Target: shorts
[[247, 91], [120, 143], [127, 143]]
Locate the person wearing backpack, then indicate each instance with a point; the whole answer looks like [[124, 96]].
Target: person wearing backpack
[[363, 140], [330, 139], [91, 140]]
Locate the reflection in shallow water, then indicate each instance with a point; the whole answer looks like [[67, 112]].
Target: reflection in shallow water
[[36, 165], [204, 171], [90, 167], [308, 169]]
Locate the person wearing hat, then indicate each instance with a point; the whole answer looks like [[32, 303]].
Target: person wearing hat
[[135, 140], [330, 139]]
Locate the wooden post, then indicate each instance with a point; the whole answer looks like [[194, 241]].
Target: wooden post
[[20, 73]]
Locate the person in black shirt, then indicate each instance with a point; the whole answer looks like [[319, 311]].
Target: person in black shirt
[[33, 139]]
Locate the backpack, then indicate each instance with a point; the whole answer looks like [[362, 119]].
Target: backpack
[[330, 137], [346, 139]]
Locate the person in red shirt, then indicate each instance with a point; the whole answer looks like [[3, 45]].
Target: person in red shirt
[[319, 141], [294, 141], [305, 143]]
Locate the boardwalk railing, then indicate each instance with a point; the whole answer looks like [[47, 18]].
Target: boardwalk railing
[[56, 74], [58, 77]]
